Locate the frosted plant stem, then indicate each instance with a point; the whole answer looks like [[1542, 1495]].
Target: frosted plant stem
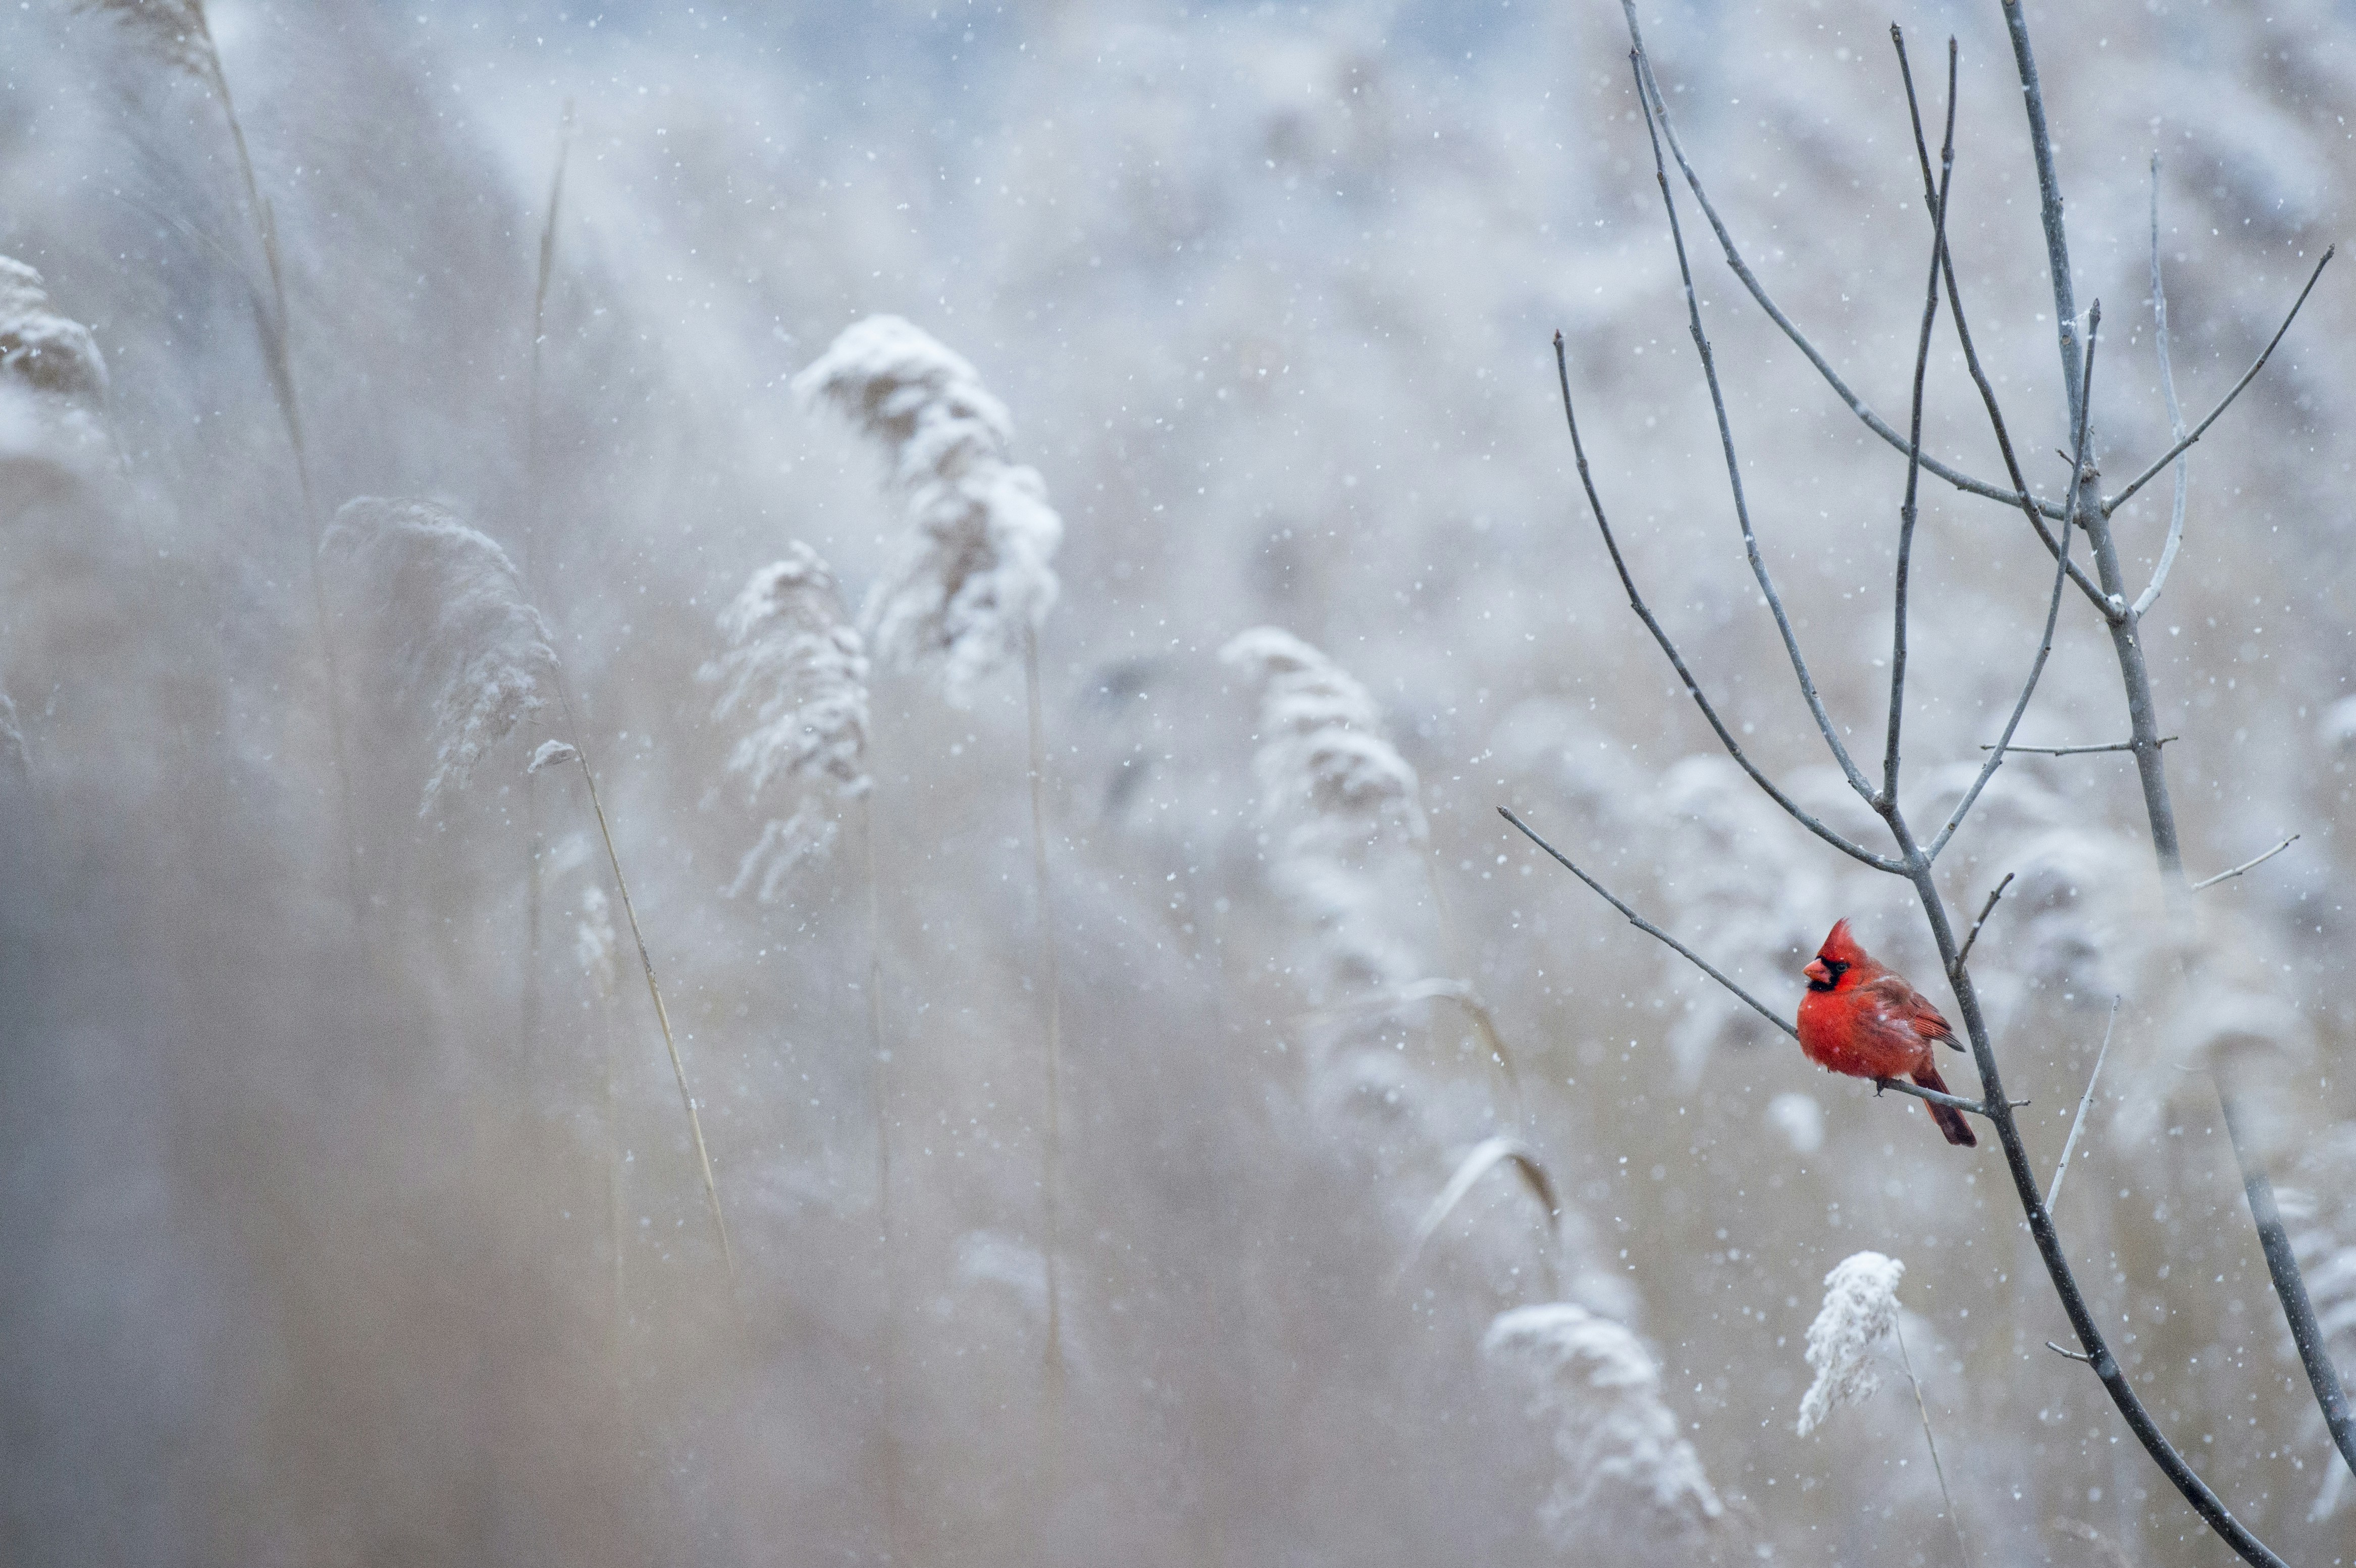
[[654, 990], [2084, 1102], [1055, 1005], [887, 1357], [1963, 1552], [270, 319]]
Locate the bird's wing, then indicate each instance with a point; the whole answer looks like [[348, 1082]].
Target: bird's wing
[[1901, 1003]]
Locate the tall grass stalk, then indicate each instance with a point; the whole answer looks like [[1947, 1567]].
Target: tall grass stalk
[[533, 510], [1051, 971], [535, 847], [179, 33], [965, 595], [888, 1352], [654, 990], [1955, 1521]]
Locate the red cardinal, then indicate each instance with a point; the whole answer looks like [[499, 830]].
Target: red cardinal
[[1864, 1020]]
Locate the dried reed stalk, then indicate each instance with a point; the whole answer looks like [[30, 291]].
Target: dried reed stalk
[[178, 34]]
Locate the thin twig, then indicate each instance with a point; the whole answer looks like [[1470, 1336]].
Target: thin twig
[[2260, 860], [2227, 401], [2078, 750], [1758, 292], [1651, 929], [1963, 1552], [2074, 1355], [1907, 511], [2150, 595], [2053, 608], [2035, 511], [2086, 1101], [1669, 647], [1985, 910], [1726, 442]]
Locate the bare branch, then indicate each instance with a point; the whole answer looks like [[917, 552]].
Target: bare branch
[[2035, 511], [2084, 1102], [1726, 441], [2150, 595], [2261, 860], [1936, 1096], [2079, 750], [2282, 1264], [2248, 376], [1677, 659], [1985, 910], [2131, 1408], [2052, 608], [1742, 269], [2074, 1355], [1651, 929], [1906, 511]]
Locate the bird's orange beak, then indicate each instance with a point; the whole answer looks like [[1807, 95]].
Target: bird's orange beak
[[1817, 972]]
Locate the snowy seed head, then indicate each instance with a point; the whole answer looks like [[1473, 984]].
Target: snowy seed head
[[595, 946], [798, 673], [1322, 745], [445, 601], [2337, 728], [976, 576], [40, 348], [1340, 804], [1860, 1308], [551, 754], [173, 30], [1799, 1119], [1618, 1442]]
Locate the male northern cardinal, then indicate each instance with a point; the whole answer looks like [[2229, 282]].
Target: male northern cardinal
[[1864, 1020]]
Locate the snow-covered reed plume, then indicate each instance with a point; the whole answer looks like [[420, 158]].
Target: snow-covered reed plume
[[1340, 806], [800, 674], [175, 31], [1623, 1465], [52, 377], [1860, 1308], [1743, 888], [447, 601], [595, 946], [42, 349], [976, 577]]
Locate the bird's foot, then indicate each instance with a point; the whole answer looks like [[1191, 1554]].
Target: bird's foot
[[1879, 1085]]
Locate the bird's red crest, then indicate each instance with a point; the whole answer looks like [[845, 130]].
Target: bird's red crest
[[1840, 945]]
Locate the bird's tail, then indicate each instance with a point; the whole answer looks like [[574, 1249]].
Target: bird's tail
[[1950, 1120]]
